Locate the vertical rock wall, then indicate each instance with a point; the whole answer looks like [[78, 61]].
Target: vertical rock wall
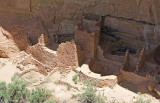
[[60, 17]]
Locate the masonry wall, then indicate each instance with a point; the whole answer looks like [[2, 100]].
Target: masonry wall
[[87, 36], [44, 55], [68, 55]]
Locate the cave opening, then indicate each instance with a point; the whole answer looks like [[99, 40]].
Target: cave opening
[[113, 42], [156, 55]]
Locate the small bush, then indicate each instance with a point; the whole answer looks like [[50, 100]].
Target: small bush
[[75, 78], [89, 96], [3, 93], [50, 101], [16, 90], [68, 87], [39, 95], [141, 99], [61, 72]]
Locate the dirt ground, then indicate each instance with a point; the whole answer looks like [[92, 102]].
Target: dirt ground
[[63, 87]]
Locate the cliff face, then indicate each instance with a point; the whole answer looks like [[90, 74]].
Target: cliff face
[[66, 13], [135, 17]]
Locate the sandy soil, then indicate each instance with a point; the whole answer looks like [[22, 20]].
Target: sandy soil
[[63, 87]]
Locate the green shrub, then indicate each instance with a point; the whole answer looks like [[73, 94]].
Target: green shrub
[[17, 91], [3, 93], [39, 95], [75, 77], [89, 95], [50, 101], [61, 72], [142, 99]]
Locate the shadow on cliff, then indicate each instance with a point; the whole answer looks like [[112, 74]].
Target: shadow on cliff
[[17, 33]]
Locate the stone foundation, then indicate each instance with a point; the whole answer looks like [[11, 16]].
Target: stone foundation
[[101, 82]]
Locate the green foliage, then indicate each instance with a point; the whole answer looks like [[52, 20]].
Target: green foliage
[[139, 93], [39, 95], [3, 91], [141, 100], [17, 90], [75, 77], [89, 95], [50, 101], [61, 72]]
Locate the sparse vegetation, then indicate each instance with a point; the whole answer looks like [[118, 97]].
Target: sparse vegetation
[[114, 101], [64, 101], [39, 95], [75, 96], [141, 99], [61, 72], [57, 82], [89, 95], [2, 91], [50, 101], [68, 87], [75, 78], [16, 92], [2, 65]]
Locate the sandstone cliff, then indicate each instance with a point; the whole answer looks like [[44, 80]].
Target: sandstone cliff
[[140, 18]]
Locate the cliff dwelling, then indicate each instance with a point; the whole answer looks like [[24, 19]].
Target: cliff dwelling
[[114, 48]]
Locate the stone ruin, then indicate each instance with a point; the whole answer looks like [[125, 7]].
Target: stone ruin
[[85, 56]]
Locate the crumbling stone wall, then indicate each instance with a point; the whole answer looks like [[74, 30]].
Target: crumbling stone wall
[[44, 40], [132, 77], [86, 41], [87, 36], [43, 55], [142, 60], [69, 55], [86, 74], [125, 66]]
